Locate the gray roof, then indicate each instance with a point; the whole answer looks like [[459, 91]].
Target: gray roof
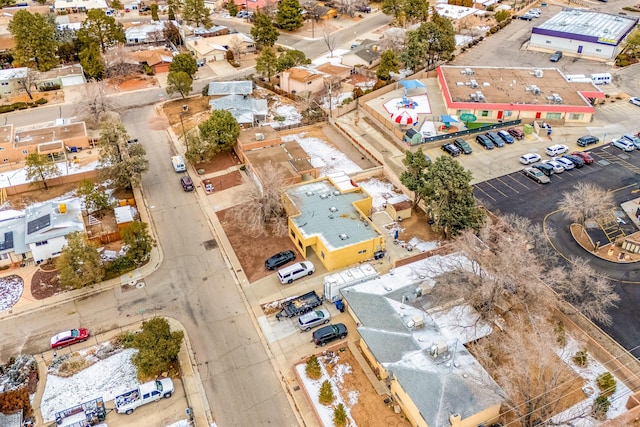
[[46, 221], [330, 214], [230, 88], [589, 23], [12, 226], [242, 108], [366, 50], [402, 336]]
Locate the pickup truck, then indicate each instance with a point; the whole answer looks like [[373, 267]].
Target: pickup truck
[[143, 394]]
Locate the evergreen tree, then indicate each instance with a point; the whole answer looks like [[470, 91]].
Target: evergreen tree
[[393, 8], [120, 162], [414, 177], [154, 12], [95, 197], [439, 37], [312, 368], [184, 62], [91, 61], [340, 416], [157, 346], [388, 63], [139, 242], [101, 29], [267, 62], [326, 393], [39, 168], [220, 132], [288, 16], [79, 264], [196, 13], [34, 36], [179, 82], [263, 31], [415, 52], [292, 58], [232, 8]]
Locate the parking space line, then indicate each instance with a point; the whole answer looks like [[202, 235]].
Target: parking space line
[[511, 176], [500, 179], [494, 187], [485, 193]]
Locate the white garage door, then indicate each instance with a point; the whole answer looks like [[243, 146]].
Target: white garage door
[[71, 80]]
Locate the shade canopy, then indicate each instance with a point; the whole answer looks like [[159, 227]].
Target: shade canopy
[[411, 84], [448, 119]]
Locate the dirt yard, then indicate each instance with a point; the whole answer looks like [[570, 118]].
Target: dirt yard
[[53, 97], [220, 162], [197, 110], [223, 182]]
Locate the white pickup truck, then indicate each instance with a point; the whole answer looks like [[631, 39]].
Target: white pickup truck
[[143, 394]]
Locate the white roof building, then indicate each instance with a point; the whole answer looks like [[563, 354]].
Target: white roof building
[[80, 4]]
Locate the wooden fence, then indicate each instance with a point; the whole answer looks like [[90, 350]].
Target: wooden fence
[[105, 238]]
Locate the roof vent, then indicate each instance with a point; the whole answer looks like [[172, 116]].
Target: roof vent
[[343, 236], [333, 209], [336, 193], [538, 73], [324, 196], [310, 193]]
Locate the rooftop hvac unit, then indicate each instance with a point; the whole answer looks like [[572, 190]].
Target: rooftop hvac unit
[[480, 96], [62, 208], [535, 90], [538, 73], [333, 209], [343, 236], [473, 84], [467, 71], [309, 193], [260, 136], [556, 98], [438, 348]]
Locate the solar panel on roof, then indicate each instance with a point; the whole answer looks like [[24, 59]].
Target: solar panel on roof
[[38, 224]]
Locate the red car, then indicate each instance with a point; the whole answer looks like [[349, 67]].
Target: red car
[[66, 338], [584, 156]]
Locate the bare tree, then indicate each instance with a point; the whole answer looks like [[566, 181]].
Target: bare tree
[[156, 37], [330, 39], [28, 81], [95, 105], [236, 46], [117, 63], [591, 294], [262, 210], [395, 39], [349, 7], [585, 202]]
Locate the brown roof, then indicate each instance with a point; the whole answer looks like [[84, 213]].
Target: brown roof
[[151, 57], [332, 69], [302, 74]]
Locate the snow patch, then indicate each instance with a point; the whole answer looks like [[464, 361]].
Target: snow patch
[[11, 288], [288, 112], [324, 156], [380, 191]]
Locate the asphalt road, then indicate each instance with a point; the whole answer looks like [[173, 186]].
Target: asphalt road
[[613, 170]]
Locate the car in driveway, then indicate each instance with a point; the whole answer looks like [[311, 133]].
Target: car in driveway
[[279, 259], [310, 320], [623, 144], [566, 163], [516, 133], [451, 149], [635, 101], [536, 175], [506, 137], [577, 161], [329, 333], [557, 166], [497, 141], [556, 56], [485, 142], [556, 150], [584, 156], [72, 336], [527, 159], [545, 168], [463, 145]]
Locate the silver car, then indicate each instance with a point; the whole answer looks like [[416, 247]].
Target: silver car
[[566, 163], [310, 320], [623, 144], [557, 166]]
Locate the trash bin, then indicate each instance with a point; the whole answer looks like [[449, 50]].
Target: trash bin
[[339, 305]]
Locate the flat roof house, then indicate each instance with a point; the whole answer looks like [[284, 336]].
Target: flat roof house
[[583, 33], [495, 94], [330, 217], [9, 79]]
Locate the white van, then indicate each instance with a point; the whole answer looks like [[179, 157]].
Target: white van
[[296, 271], [178, 164], [601, 78]]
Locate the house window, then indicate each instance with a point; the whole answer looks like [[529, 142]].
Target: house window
[[4, 256], [309, 82], [507, 113], [484, 113], [300, 244], [548, 42], [4, 83], [5, 160], [1, 148], [364, 251], [44, 242], [322, 254], [553, 116], [25, 151], [575, 116], [598, 50], [293, 234]]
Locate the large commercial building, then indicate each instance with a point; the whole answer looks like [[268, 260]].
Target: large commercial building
[[495, 94], [583, 33]]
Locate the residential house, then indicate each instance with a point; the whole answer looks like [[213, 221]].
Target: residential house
[[13, 249], [150, 32], [298, 80], [47, 225], [68, 75], [216, 30], [158, 59], [245, 109], [366, 53], [75, 6], [215, 48], [331, 217], [419, 348], [9, 80], [242, 87], [336, 71]]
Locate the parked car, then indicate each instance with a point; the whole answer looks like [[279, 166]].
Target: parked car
[[451, 150], [557, 166], [536, 11], [187, 183], [634, 139], [296, 271], [72, 336], [527, 16], [485, 142], [586, 140], [536, 175], [577, 161], [308, 321], [584, 156], [556, 150], [279, 260], [545, 168], [506, 137], [463, 145], [635, 101], [556, 56], [527, 159], [497, 141], [623, 144], [566, 163], [363, 8], [516, 133], [329, 333]]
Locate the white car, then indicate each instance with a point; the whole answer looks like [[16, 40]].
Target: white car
[[557, 166], [635, 101], [308, 321], [566, 163], [556, 150], [623, 144], [527, 159]]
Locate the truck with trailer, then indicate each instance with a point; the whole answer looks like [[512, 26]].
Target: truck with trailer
[[299, 305], [145, 393], [333, 283]]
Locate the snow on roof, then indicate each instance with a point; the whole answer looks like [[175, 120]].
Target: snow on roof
[[244, 87], [242, 108], [81, 4], [50, 219], [10, 214], [124, 214], [141, 31], [61, 336], [454, 12], [13, 73]]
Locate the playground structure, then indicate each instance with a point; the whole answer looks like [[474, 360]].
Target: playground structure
[[407, 103]]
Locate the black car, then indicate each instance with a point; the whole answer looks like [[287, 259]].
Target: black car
[[586, 140], [279, 259], [451, 149], [495, 138], [545, 168], [485, 142], [577, 161], [462, 145], [556, 56], [329, 333]]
